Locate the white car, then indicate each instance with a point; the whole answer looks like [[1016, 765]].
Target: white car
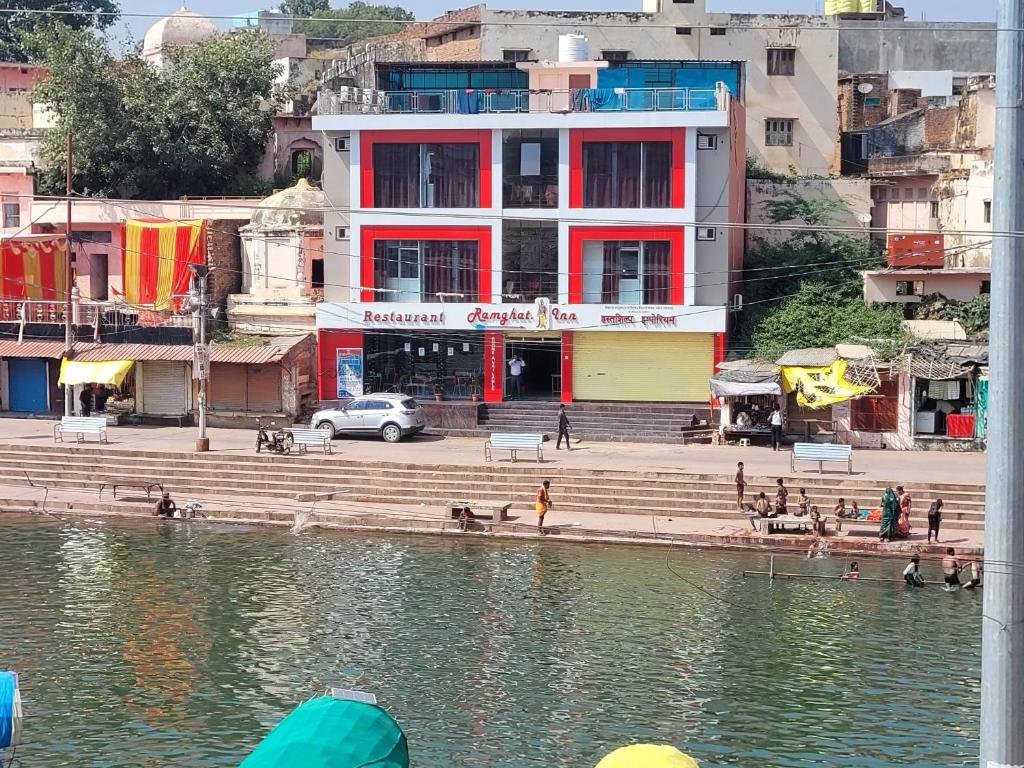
[[390, 415]]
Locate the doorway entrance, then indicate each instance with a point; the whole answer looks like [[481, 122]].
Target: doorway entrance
[[542, 374]]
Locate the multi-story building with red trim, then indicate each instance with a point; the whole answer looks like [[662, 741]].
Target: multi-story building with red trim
[[576, 214]]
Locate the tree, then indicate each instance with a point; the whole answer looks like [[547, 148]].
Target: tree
[[199, 127], [358, 21], [25, 20], [305, 8], [817, 317]]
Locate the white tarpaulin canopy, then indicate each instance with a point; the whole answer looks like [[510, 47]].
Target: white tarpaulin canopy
[[720, 388]]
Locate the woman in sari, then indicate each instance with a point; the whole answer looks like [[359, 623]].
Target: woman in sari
[[903, 524], [890, 516]]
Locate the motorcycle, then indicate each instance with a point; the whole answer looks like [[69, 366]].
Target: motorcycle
[[278, 441]]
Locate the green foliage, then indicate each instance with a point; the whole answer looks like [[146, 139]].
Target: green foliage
[[15, 26], [755, 170], [817, 317], [973, 314], [358, 21], [305, 7], [800, 291], [197, 128]]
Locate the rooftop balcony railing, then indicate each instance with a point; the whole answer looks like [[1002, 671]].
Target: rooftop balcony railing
[[517, 101]]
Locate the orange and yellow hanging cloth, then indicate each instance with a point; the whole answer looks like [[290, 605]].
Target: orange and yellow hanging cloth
[[156, 258], [33, 267]]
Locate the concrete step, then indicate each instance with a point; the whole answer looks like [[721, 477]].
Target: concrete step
[[93, 470]]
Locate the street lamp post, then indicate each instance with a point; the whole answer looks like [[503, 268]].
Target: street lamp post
[[201, 357]]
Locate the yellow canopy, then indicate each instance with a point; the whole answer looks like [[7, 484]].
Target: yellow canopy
[[820, 387], [106, 372], [647, 756]]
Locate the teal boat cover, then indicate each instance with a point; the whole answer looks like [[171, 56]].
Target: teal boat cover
[[333, 733]]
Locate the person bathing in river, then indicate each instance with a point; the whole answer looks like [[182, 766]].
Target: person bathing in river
[[912, 573], [165, 507], [853, 574], [950, 570]]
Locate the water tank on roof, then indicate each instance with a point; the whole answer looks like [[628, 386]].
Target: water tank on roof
[[572, 48]]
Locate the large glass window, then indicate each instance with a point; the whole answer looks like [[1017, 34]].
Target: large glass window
[[426, 270], [426, 175], [529, 161], [627, 272], [421, 364], [529, 260], [627, 174]]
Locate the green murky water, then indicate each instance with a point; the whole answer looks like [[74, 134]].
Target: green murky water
[[177, 645]]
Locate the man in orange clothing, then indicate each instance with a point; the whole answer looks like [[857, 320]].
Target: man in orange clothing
[[543, 504]]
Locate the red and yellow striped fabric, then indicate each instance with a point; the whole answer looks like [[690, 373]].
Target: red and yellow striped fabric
[[33, 267], [156, 259]]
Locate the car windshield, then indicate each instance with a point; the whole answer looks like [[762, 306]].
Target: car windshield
[[409, 403]]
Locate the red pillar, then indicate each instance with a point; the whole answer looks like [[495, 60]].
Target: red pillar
[[494, 367], [328, 344], [566, 367]]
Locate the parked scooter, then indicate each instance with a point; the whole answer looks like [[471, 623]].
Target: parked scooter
[[276, 441]]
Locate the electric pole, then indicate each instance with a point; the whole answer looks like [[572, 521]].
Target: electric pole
[[69, 338], [201, 358], [1002, 639]]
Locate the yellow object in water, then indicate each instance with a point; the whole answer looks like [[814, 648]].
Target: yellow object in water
[[647, 756], [835, 7]]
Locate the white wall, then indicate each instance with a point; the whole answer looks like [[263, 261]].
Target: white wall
[[881, 286], [809, 97]]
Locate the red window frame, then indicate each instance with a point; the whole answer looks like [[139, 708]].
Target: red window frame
[[368, 236], [367, 140], [677, 258], [577, 138]]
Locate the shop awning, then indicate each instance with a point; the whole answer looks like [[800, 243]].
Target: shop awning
[[104, 372], [722, 388]]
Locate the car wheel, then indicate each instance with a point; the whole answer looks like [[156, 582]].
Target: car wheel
[[391, 433], [328, 426]]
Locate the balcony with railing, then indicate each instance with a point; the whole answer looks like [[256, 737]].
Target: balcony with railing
[[517, 101]]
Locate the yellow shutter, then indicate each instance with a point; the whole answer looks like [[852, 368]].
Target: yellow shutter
[[654, 367]]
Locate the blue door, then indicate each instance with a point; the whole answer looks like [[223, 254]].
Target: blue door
[[27, 384]]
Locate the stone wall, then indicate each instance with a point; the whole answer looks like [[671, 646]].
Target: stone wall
[[855, 194], [224, 256]]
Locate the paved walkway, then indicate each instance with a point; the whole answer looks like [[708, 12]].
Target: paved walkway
[[883, 466]]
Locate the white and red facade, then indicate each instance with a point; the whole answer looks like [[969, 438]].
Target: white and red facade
[[598, 253]]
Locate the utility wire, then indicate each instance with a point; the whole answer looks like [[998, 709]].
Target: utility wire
[[958, 26]]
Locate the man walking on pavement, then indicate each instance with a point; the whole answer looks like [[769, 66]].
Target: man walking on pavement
[[543, 504], [775, 422], [515, 368], [563, 429]]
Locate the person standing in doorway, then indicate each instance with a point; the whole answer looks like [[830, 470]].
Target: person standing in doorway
[[543, 504], [775, 421], [563, 429], [515, 369], [85, 399], [741, 485]]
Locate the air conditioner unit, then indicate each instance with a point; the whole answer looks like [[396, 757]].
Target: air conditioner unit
[[707, 141], [341, 143], [707, 233], [341, 233]]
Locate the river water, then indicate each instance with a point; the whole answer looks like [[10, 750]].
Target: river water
[[170, 644]]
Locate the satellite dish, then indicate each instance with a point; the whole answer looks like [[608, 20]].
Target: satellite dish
[[865, 88]]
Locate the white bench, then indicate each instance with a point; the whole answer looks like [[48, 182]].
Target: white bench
[[488, 510], [80, 426], [318, 438], [514, 442], [821, 452]]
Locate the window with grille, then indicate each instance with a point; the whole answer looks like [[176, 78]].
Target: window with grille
[[879, 411], [910, 288], [778, 132], [12, 215], [934, 209], [515, 54], [684, 30], [988, 211], [615, 55], [717, 31], [782, 61]]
